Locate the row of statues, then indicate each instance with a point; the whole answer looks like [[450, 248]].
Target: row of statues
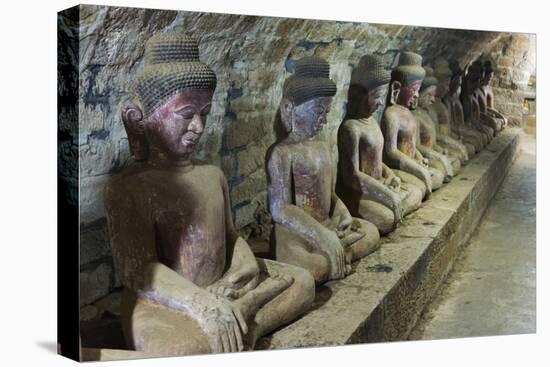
[[191, 283]]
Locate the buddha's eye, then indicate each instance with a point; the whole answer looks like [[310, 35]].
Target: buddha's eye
[[186, 114]]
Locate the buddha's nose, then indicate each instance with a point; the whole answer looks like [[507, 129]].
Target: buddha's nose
[[197, 125]]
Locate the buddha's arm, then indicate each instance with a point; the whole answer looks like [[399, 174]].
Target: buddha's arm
[[436, 156], [399, 160], [242, 272], [373, 189], [283, 211]]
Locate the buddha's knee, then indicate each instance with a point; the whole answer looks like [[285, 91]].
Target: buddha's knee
[[294, 250], [437, 178], [414, 198], [439, 167], [409, 179], [471, 149], [455, 163], [302, 290], [379, 215], [366, 245], [156, 329]]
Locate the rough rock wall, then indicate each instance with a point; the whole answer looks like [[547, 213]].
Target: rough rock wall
[[515, 59], [251, 56]]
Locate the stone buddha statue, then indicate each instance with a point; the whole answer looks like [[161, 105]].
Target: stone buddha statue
[[313, 228], [399, 126], [469, 133], [368, 187], [470, 101], [427, 132], [192, 285], [486, 96], [489, 119], [440, 114]]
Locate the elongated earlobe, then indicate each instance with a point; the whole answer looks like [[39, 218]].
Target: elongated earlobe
[[394, 93], [132, 117]]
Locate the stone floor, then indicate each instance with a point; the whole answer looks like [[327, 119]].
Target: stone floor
[[491, 290]]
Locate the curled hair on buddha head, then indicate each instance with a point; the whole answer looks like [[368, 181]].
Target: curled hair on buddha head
[[429, 80], [408, 69], [441, 69], [456, 70], [488, 66], [172, 65], [309, 80], [475, 70], [371, 72]]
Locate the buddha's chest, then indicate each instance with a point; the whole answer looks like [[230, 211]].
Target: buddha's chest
[[406, 136], [371, 145], [311, 180]]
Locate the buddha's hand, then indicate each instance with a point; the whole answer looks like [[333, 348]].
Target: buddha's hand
[[393, 183], [239, 280], [342, 217], [223, 324], [332, 246]]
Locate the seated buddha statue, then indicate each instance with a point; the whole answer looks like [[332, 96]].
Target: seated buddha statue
[[440, 114], [489, 119], [486, 96], [399, 126], [427, 132], [469, 133], [191, 283], [470, 102], [313, 228], [368, 187]]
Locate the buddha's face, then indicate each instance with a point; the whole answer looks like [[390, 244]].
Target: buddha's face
[[427, 96], [375, 99], [309, 117], [408, 94], [176, 127], [442, 87], [487, 78]]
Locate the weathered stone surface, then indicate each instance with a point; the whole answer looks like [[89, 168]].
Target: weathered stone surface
[[382, 299], [94, 242], [252, 56], [95, 282]]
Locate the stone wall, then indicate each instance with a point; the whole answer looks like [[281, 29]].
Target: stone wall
[[251, 56]]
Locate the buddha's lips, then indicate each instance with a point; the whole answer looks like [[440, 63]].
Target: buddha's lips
[[190, 139]]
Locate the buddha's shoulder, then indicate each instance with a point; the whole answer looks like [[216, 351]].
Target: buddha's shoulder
[[394, 113], [211, 170]]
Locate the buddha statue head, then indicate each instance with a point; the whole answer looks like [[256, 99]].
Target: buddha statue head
[[472, 81], [488, 72], [428, 88], [307, 95], [173, 94], [368, 87], [406, 79], [443, 74], [456, 78]]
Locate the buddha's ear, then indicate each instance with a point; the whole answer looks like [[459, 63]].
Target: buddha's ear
[[395, 87], [132, 117], [287, 108]]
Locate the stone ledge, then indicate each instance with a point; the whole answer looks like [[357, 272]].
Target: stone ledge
[[387, 291]]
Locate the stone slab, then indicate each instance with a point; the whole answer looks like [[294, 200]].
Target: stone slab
[[387, 291]]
